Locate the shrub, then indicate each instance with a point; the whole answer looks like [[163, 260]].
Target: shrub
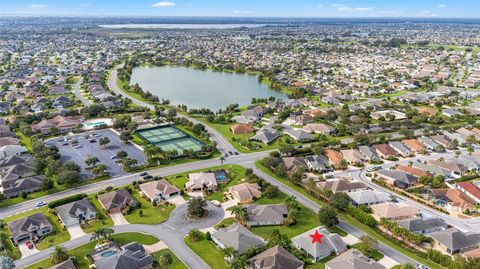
[[67, 200]]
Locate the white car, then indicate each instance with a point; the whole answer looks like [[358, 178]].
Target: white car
[[41, 204], [216, 203]]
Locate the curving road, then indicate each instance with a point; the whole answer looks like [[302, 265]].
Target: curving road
[[222, 143], [171, 232], [78, 94]]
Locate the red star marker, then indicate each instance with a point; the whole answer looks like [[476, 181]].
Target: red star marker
[[316, 237]]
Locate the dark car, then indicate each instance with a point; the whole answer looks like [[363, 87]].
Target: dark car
[[143, 174]]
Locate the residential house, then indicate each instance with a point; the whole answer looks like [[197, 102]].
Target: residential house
[[320, 128], [237, 237], [32, 227], [454, 199], [76, 212], [266, 215], [342, 185], [329, 243], [470, 190], [11, 150], [456, 136], [431, 145], [423, 226], [9, 141], [158, 190], [129, 256], [198, 182], [244, 193], [369, 153], [397, 178], [275, 258], [116, 201], [298, 134], [353, 156], [368, 197], [452, 241], [353, 259], [242, 128], [68, 264], [317, 163], [63, 124], [415, 145], [417, 172], [334, 157], [18, 174], [455, 169], [400, 148], [266, 135], [292, 164], [385, 151], [431, 169], [443, 141], [394, 211]]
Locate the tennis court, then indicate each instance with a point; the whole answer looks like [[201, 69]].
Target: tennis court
[[170, 138]]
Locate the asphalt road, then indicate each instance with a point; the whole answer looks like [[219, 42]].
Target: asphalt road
[[242, 159], [222, 143], [388, 251], [76, 91], [171, 232]]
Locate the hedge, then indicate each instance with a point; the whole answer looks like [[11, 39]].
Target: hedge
[[67, 200]]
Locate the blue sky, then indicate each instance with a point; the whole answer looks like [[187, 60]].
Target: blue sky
[[246, 8]]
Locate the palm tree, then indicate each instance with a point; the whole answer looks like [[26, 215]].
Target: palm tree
[[195, 235], [228, 253], [222, 159], [239, 262], [165, 259], [240, 213], [59, 255]]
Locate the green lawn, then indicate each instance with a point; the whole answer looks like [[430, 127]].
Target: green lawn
[[375, 254], [347, 218], [103, 219], [224, 129], [225, 222], [61, 234], [25, 140], [177, 263], [151, 214], [208, 252], [237, 172], [307, 219], [81, 252]]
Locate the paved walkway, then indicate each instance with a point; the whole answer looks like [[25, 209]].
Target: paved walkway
[[118, 219]]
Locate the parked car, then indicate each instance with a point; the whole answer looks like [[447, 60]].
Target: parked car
[[147, 177], [216, 203], [143, 174], [42, 203], [29, 244], [77, 146]]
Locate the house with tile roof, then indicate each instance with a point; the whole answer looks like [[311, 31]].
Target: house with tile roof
[[452, 241], [470, 190], [116, 201], [275, 258], [342, 185], [394, 211], [32, 227], [244, 193], [353, 259], [158, 190]]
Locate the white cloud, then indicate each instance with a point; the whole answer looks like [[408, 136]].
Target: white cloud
[[390, 13], [355, 9], [442, 5], [338, 5], [37, 6], [164, 4], [243, 11]]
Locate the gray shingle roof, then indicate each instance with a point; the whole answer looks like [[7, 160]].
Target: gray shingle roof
[[418, 225], [275, 258], [237, 237], [132, 256], [455, 239]]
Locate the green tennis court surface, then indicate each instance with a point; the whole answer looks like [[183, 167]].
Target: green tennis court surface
[[170, 138]]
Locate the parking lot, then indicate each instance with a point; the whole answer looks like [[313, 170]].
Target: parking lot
[[79, 147]]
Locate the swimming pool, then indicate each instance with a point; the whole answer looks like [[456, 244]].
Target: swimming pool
[[94, 124], [107, 253]]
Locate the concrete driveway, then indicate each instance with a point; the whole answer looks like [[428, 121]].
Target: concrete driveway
[[75, 231], [25, 250], [118, 219], [177, 201]]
